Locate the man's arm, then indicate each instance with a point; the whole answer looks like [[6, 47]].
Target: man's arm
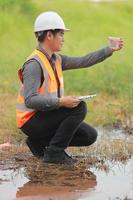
[[87, 60], [32, 75]]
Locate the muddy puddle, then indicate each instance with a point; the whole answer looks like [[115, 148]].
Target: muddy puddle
[[103, 172], [116, 183], [114, 133]]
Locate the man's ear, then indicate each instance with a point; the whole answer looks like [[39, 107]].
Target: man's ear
[[49, 35]]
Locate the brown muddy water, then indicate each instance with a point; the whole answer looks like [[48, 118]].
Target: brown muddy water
[[116, 184], [25, 177]]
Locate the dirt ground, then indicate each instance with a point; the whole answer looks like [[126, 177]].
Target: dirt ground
[[63, 179], [37, 171]]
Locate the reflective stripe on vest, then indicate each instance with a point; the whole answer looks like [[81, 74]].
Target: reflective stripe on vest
[[49, 87]]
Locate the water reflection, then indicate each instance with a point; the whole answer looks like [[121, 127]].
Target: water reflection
[[38, 191], [56, 182], [68, 184]]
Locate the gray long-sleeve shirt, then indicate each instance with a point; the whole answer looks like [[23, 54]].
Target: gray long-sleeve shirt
[[33, 76]]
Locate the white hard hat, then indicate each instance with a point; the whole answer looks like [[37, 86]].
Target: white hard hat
[[49, 20]]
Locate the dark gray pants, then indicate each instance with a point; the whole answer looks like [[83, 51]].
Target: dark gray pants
[[61, 128]]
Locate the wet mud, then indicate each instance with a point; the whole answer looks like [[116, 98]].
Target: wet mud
[[103, 172], [25, 177], [43, 179]]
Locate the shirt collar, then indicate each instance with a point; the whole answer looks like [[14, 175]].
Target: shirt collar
[[52, 58]]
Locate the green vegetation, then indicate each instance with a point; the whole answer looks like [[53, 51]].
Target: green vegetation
[[90, 26]]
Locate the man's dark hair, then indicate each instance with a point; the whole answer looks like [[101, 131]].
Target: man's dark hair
[[42, 34]]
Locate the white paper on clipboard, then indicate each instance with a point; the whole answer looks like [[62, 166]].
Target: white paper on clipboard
[[87, 97]]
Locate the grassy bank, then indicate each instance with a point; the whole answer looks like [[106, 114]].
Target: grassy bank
[[90, 26]]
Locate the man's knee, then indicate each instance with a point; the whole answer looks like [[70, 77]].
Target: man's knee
[[93, 138], [90, 140]]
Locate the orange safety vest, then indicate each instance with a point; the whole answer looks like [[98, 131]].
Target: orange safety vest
[[49, 88]]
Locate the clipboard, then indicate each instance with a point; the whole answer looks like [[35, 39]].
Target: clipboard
[[87, 97]]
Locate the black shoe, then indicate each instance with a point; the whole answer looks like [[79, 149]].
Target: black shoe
[[35, 147], [57, 157]]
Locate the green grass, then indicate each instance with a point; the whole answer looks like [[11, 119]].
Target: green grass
[[90, 26]]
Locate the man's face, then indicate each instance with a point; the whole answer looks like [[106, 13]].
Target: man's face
[[56, 41]]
